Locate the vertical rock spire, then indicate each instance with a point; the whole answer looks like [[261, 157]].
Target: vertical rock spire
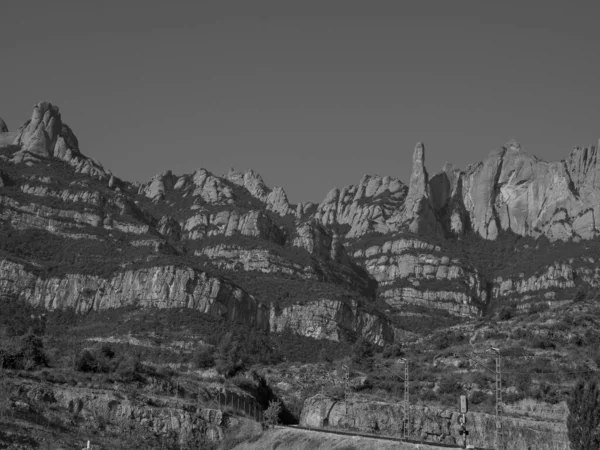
[[418, 213]]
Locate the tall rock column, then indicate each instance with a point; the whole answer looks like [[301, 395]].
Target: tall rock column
[[418, 213]]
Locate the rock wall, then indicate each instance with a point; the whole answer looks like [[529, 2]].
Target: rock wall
[[330, 319], [432, 424], [413, 272], [362, 208], [160, 287], [116, 410]]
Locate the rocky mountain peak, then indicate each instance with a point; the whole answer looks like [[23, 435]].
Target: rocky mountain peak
[[40, 133], [513, 145], [3, 127], [45, 135]]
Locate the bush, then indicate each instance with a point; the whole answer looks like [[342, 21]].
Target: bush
[[203, 357], [107, 351], [450, 384], [362, 350], [335, 392], [393, 351], [85, 362], [543, 343], [507, 313], [26, 353], [271, 414], [478, 397], [130, 368], [32, 349]]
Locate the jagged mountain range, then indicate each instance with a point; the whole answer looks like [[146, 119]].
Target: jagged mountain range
[[371, 259]]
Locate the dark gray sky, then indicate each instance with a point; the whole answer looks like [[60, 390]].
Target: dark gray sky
[[311, 94]]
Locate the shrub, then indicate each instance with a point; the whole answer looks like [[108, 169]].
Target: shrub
[[506, 313], [393, 351], [478, 397], [26, 353], [335, 392], [361, 350], [580, 295], [203, 357], [85, 362], [271, 414], [325, 356], [543, 343], [450, 384], [538, 308], [130, 369], [32, 349], [107, 351]]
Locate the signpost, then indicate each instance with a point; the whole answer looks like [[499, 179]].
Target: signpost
[[462, 419], [463, 404]]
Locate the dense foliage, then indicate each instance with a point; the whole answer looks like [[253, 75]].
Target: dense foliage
[[583, 423]]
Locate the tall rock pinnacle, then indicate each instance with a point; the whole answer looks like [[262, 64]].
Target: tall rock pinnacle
[[3, 127], [418, 213]]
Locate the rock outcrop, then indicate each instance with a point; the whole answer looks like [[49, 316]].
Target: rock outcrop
[[512, 190], [101, 409], [46, 135], [360, 209], [159, 287], [431, 424], [275, 199], [330, 319], [413, 272], [3, 126], [40, 133]]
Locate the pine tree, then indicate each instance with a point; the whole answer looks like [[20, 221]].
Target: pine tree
[[583, 423]]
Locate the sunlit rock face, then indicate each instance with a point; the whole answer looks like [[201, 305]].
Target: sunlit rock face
[[514, 191]]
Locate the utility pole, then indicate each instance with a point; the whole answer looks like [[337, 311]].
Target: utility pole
[[498, 392], [406, 409], [346, 381], [498, 386]]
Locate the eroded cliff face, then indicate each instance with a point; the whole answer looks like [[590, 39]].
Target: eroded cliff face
[[433, 424], [329, 319], [362, 208], [159, 287], [413, 272]]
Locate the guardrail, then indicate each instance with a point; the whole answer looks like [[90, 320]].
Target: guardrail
[[379, 436]]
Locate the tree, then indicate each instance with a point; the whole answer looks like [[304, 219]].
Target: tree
[[361, 350], [272, 413], [584, 416]]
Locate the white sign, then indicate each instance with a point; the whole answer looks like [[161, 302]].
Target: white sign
[[463, 404]]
